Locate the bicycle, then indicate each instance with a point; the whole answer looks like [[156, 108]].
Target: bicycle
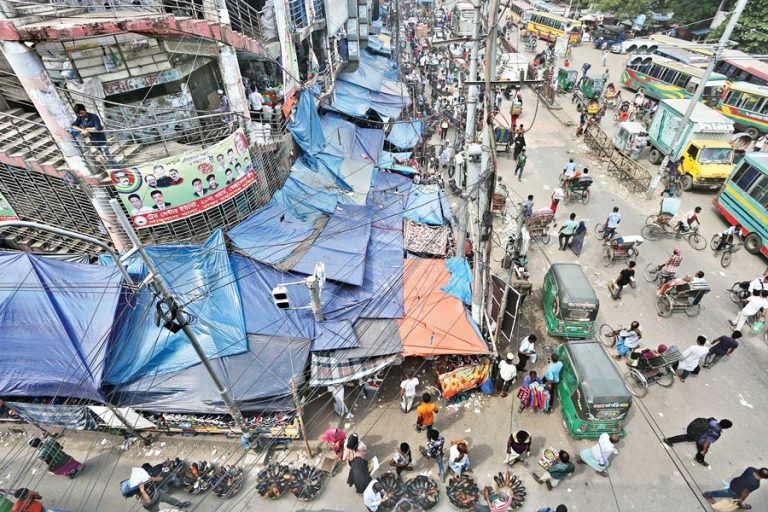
[[601, 232], [656, 231], [726, 255], [654, 273]]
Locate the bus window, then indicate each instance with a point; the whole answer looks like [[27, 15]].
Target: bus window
[[655, 71], [732, 98], [759, 191], [668, 76], [682, 80], [746, 176], [749, 102], [762, 108]]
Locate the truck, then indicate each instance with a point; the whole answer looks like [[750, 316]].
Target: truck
[[707, 143]]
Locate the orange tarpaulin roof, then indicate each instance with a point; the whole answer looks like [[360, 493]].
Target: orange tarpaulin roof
[[434, 323]]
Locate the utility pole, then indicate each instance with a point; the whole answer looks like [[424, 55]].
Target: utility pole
[[314, 296], [170, 300], [397, 35], [721, 46], [469, 134], [487, 180], [300, 416]]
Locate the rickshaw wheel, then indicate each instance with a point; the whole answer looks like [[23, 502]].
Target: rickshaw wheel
[[636, 383], [585, 197], [697, 241], [693, 310], [607, 256], [667, 378], [599, 229], [651, 219], [714, 242], [651, 272], [605, 333], [545, 238], [664, 306], [726, 258], [632, 253], [651, 232]]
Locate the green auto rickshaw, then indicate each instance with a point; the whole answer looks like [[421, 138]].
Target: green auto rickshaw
[[593, 397], [566, 79], [570, 303]]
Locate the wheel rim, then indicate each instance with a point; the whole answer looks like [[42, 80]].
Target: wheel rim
[[714, 242], [599, 231], [651, 272], [726, 258], [605, 333], [667, 378], [635, 384], [607, 256], [664, 307], [632, 253], [697, 242], [585, 197], [651, 232], [686, 182], [693, 310], [651, 219], [753, 243], [545, 238]]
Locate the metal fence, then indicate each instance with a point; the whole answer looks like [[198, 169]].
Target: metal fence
[[627, 171]]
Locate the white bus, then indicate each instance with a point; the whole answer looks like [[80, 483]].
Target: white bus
[[464, 19]]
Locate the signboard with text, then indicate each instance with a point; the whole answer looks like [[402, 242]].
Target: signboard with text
[[176, 187], [6, 211]]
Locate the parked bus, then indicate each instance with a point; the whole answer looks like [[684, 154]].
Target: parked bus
[[464, 19], [741, 67], [744, 200], [683, 55], [747, 105], [550, 27], [664, 40], [665, 79], [542, 6], [520, 12]]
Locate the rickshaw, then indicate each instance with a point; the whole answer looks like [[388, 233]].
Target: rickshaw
[[566, 79], [503, 138], [611, 96], [620, 248], [593, 397], [646, 367], [626, 135], [570, 303], [499, 201], [685, 297], [658, 226], [580, 188], [589, 89], [538, 224]]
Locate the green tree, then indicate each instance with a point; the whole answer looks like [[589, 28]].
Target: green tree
[[751, 33]]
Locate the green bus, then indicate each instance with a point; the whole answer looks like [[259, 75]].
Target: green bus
[[743, 199], [666, 79]]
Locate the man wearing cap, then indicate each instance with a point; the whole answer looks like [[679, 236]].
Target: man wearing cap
[[507, 373]]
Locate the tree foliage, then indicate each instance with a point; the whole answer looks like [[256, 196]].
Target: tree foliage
[[751, 32]]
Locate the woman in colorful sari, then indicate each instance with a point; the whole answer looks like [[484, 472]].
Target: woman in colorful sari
[[53, 454]]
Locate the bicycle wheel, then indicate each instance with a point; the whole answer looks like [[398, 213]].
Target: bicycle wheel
[[714, 242], [726, 258], [636, 383], [599, 231], [545, 238], [664, 306], [605, 334], [651, 219], [697, 241], [651, 232], [693, 310], [585, 197], [607, 256], [667, 378], [651, 273]]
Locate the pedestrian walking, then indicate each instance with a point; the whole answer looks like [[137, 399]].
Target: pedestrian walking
[[425, 414], [520, 165], [528, 211], [507, 373], [756, 307], [519, 143], [599, 456], [577, 244], [626, 277], [458, 457], [434, 450], [339, 407], [704, 432], [408, 392], [359, 474], [151, 496], [561, 469], [355, 448], [740, 487], [605, 58], [518, 447], [566, 231], [402, 459], [691, 358], [443, 127], [53, 454], [526, 351], [373, 495], [721, 347], [557, 196]]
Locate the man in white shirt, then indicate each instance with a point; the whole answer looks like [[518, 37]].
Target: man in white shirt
[[756, 305], [526, 351], [691, 357], [339, 407], [569, 169], [373, 495], [256, 103], [599, 456], [408, 392], [612, 223], [507, 373], [759, 284]]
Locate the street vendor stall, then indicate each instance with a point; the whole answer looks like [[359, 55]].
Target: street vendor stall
[[457, 374]]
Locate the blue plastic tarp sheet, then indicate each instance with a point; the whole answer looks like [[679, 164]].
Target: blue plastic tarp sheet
[[70, 417], [56, 322], [356, 100], [305, 125], [347, 140], [389, 161], [334, 335], [201, 278], [259, 380], [341, 246], [427, 204], [405, 135], [270, 234], [305, 202], [460, 283]]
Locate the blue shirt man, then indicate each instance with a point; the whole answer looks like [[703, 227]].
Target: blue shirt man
[[89, 123]]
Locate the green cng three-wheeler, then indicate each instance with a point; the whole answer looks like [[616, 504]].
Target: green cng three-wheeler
[[570, 303], [593, 397]]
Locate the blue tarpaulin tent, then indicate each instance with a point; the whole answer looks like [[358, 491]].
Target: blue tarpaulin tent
[[202, 279], [347, 140], [305, 125], [55, 326], [405, 135], [427, 204]]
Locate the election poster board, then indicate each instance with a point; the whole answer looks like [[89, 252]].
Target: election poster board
[[187, 184]]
